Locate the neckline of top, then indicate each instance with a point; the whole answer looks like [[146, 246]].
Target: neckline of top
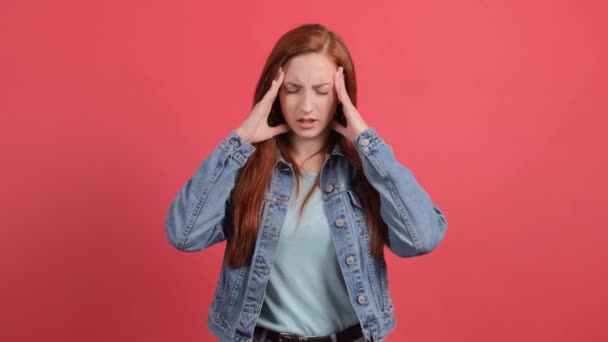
[[310, 174]]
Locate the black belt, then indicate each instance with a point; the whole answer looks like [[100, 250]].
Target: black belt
[[348, 335]]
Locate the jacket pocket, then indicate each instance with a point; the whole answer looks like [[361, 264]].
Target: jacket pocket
[[358, 213], [228, 287], [355, 199]]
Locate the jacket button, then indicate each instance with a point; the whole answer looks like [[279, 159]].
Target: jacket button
[[339, 222], [364, 141], [329, 188], [350, 260], [375, 336], [361, 299]]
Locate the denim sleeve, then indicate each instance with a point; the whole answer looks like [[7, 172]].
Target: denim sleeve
[[415, 224], [196, 217]]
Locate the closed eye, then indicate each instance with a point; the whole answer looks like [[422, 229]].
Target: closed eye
[[292, 88], [293, 91]]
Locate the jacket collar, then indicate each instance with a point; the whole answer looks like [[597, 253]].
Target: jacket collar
[[335, 151]]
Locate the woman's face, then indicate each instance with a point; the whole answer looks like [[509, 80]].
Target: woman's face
[[307, 96]]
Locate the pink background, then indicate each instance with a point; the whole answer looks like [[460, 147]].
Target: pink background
[[107, 108]]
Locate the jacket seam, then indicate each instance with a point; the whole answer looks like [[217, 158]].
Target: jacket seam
[[376, 144]]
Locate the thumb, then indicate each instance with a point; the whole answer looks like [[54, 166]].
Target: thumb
[[280, 129]]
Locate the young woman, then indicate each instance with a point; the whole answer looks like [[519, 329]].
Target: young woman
[[306, 196]]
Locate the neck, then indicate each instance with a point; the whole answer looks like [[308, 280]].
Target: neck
[[306, 152]]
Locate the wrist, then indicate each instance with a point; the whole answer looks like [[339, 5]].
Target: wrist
[[242, 135]]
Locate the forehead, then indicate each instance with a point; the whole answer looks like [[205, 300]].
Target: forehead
[[310, 67]]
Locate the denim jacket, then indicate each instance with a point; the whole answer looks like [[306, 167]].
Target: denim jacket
[[197, 219]]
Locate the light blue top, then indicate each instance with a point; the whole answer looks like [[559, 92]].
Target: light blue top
[[306, 293]]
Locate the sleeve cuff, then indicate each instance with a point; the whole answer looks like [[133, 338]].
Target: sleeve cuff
[[368, 140], [237, 147]]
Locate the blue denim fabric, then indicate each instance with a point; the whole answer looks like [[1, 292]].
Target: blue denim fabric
[[197, 219]]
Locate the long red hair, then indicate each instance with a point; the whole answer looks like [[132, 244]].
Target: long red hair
[[248, 194]]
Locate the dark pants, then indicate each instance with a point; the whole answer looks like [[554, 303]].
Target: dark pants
[[260, 336]]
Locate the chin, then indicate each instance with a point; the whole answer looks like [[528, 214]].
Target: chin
[[309, 134], [306, 134]]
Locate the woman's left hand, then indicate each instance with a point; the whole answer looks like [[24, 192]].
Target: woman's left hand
[[355, 124]]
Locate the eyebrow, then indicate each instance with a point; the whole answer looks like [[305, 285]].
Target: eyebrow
[[314, 86]]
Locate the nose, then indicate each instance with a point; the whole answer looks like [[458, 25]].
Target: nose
[[307, 102]]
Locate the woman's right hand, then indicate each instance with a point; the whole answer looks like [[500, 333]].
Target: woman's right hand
[[255, 128]]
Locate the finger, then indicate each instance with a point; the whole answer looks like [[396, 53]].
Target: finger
[[345, 99], [274, 87], [280, 129], [338, 127], [279, 72], [276, 83], [337, 84]]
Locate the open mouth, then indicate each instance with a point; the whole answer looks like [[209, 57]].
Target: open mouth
[[306, 120], [307, 123]]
